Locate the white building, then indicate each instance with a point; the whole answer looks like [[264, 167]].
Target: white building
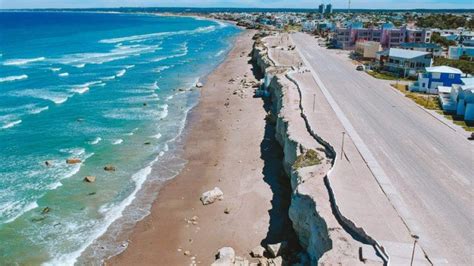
[[459, 99]]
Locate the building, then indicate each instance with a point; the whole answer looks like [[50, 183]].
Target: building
[[459, 99], [402, 62], [455, 52], [432, 48], [367, 49], [328, 9], [387, 35], [321, 9], [434, 77], [309, 26]]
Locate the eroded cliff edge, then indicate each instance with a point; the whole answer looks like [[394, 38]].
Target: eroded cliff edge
[[321, 229]]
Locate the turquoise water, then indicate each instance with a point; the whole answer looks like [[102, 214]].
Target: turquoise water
[[107, 89]]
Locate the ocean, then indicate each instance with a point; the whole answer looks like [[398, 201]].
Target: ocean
[[107, 89]]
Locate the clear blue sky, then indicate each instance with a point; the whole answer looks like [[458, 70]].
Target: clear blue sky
[[237, 3]]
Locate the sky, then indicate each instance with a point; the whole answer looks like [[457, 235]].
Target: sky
[[391, 4]]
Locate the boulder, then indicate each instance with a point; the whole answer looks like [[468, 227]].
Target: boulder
[[211, 196], [109, 168], [257, 252], [46, 210], [276, 249], [73, 161], [89, 179], [199, 85], [226, 253]]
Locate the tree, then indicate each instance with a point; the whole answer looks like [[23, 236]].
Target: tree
[[438, 39]]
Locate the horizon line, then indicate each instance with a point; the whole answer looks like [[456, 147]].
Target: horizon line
[[254, 8]]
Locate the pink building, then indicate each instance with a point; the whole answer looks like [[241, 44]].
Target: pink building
[[387, 36]]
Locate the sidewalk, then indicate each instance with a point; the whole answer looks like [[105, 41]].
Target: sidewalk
[[356, 191]]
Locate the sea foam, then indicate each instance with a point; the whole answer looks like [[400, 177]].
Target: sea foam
[[13, 78], [19, 62]]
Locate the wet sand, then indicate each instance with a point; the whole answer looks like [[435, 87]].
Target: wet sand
[[229, 146]]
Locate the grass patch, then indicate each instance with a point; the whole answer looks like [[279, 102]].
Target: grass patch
[[458, 120], [385, 76], [309, 158], [430, 102]]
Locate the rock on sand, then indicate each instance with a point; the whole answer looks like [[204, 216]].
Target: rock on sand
[[73, 160], [89, 179], [211, 196]]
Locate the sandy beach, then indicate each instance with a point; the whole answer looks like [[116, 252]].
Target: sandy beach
[[227, 146]]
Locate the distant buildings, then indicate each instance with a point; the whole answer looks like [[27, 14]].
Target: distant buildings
[[321, 9], [328, 9], [435, 77], [402, 62], [387, 35]]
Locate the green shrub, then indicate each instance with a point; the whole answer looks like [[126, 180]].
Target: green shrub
[[309, 158]]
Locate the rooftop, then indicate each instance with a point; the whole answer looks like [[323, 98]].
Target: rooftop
[[402, 53], [444, 69]]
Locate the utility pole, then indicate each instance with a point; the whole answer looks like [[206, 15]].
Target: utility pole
[[349, 7]]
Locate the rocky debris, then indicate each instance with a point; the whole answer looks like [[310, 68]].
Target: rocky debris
[[187, 253], [277, 249], [145, 104], [147, 143], [211, 196], [227, 211], [73, 161], [257, 252], [109, 168], [278, 261], [225, 257], [199, 85], [48, 163], [89, 179], [193, 220], [239, 261]]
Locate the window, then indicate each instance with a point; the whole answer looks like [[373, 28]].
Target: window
[[423, 85], [435, 75], [451, 76]]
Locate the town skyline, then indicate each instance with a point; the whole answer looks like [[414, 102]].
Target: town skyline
[[337, 4]]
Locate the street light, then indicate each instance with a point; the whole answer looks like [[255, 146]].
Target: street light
[[414, 246]]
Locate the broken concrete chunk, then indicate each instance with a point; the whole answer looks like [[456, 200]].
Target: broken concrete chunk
[[199, 85], [211, 196], [257, 252], [277, 249], [278, 261]]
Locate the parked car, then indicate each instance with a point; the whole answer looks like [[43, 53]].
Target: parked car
[[360, 68], [471, 137]]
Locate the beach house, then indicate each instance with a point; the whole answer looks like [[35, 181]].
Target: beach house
[[437, 76], [403, 63], [459, 99]]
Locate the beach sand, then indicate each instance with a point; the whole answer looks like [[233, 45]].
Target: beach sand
[[229, 146]]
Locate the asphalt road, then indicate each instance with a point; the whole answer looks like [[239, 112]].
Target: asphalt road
[[430, 166]]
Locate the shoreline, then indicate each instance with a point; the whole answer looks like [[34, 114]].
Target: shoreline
[[162, 237]]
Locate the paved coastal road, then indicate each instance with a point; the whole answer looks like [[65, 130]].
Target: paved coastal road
[[429, 166]]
